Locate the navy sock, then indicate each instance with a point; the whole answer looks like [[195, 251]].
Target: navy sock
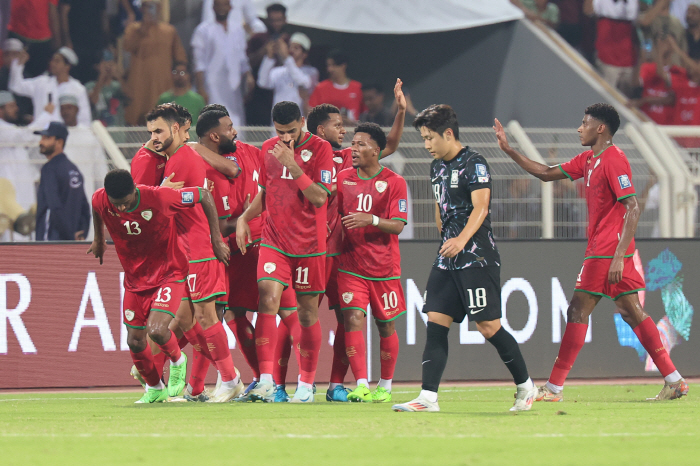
[[434, 356], [509, 351]]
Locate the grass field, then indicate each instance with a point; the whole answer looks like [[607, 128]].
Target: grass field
[[596, 424]]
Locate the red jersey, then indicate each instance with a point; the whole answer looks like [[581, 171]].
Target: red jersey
[[220, 187], [608, 179], [656, 86], [614, 42], [293, 225], [145, 237], [685, 111], [342, 159], [30, 18], [148, 167], [347, 98], [246, 184], [189, 167], [369, 252]]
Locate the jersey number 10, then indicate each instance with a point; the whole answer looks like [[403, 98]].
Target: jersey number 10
[[364, 202]]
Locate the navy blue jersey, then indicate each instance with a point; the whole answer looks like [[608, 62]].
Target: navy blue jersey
[[453, 183]]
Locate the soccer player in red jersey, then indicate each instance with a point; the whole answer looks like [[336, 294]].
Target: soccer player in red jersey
[[206, 278], [608, 269], [296, 177], [372, 201], [325, 121], [141, 223]]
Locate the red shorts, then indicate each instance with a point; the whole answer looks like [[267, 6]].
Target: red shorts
[[223, 299], [307, 275], [206, 280], [593, 278], [138, 306], [243, 286], [331, 293], [385, 296]]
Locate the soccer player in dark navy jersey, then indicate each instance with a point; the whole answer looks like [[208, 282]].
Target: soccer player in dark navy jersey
[[465, 279]]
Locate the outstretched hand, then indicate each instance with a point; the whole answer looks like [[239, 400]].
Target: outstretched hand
[[98, 248], [501, 135], [399, 96], [169, 183]]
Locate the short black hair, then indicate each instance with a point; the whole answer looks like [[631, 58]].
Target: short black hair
[[168, 112], [319, 115], [276, 7], [338, 56], [438, 118], [181, 63], [207, 121], [286, 112], [375, 132], [376, 86], [218, 107], [119, 184], [183, 114], [606, 114]]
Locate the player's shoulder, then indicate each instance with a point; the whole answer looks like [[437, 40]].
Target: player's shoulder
[[269, 143], [99, 197], [390, 175], [245, 149], [469, 155], [347, 174], [316, 142], [355, 84], [614, 153]]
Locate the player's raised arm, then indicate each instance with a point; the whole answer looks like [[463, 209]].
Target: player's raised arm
[[226, 167], [536, 169], [221, 251], [394, 136], [98, 246]]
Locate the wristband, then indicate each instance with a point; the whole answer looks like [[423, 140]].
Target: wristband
[[304, 182], [375, 220]]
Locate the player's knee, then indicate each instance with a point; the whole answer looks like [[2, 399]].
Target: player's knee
[[386, 329], [354, 320], [136, 343], [160, 334], [488, 328], [307, 318]]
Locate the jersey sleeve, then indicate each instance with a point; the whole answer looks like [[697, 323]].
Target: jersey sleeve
[[619, 175], [222, 201], [573, 169], [478, 174], [398, 210], [142, 171], [175, 200], [324, 168], [262, 176]]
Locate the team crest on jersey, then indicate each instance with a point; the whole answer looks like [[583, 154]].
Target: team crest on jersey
[[381, 186], [403, 206], [326, 176], [347, 297], [269, 267], [454, 180], [147, 214], [129, 314], [338, 159], [624, 182], [188, 197], [306, 155]]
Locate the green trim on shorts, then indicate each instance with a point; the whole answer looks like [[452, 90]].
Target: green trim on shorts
[[221, 302], [607, 257], [238, 251], [289, 308], [592, 292], [324, 188], [334, 254], [294, 255], [627, 292], [224, 216], [218, 293], [274, 280], [185, 298], [203, 260], [163, 311], [368, 278], [400, 219], [354, 307], [564, 172], [310, 292], [625, 197], [261, 186], [389, 320], [135, 326]]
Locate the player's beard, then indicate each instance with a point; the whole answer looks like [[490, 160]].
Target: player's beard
[[226, 145], [167, 143], [335, 145]]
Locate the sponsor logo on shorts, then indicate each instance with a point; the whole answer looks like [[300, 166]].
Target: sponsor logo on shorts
[[147, 214], [403, 205], [392, 312], [269, 267], [624, 181], [306, 155], [162, 305], [352, 183], [381, 186], [475, 311], [347, 297], [325, 176], [338, 159], [129, 314], [454, 180], [188, 197]]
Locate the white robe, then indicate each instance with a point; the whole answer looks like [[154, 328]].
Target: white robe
[[286, 80], [241, 11]]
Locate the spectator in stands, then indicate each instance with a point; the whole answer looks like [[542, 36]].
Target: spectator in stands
[[679, 10], [36, 24], [276, 21], [338, 89], [9, 111], [63, 212], [12, 48], [293, 81], [692, 18], [84, 27], [45, 89], [541, 11], [222, 71], [685, 84], [658, 98], [615, 43], [242, 15], [154, 47], [182, 92], [570, 21], [657, 21], [106, 95], [376, 112]]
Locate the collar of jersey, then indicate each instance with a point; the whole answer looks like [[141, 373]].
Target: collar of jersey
[[137, 202], [307, 139], [373, 176], [459, 154], [601, 152]]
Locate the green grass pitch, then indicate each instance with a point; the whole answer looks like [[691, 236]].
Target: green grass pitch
[[595, 425]]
